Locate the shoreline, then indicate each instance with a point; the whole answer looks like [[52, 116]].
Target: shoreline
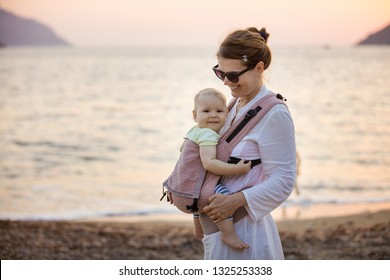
[[362, 236], [281, 214]]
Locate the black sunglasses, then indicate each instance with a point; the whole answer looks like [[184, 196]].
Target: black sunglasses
[[232, 76]]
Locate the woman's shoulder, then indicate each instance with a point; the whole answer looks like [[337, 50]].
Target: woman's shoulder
[[282, 107], [279, 117]]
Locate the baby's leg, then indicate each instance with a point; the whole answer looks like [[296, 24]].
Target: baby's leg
[[228, 234], [198, 233]]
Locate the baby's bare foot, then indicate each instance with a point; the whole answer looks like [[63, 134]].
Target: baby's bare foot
[[234, 241]]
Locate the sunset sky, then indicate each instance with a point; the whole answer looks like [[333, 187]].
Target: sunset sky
[[205, 22]]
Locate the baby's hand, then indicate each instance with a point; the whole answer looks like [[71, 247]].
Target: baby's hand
[[244, 166]]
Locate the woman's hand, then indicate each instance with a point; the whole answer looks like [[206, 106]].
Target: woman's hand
[[223, 206]]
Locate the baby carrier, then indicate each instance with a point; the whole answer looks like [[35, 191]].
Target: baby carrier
[[190, 184]]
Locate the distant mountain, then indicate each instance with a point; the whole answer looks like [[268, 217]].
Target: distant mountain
[[17, 31], [381, 37]]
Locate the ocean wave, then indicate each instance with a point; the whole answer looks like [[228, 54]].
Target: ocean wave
[[307, 202]]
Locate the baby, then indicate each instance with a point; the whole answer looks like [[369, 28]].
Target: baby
[[210, 113]]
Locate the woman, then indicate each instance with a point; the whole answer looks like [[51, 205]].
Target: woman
[[242, 58]]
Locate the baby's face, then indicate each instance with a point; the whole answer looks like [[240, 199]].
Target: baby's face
[[210, 112]]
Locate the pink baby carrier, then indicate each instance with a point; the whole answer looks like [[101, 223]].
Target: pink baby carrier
[[190, 184]]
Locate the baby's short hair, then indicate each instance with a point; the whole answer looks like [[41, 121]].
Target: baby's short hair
[[209, 91]]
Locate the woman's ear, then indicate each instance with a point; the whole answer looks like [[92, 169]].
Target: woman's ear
[[260, 67]]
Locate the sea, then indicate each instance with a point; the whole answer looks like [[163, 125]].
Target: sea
[[93, 132]]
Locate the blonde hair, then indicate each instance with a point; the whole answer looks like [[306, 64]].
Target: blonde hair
[[209, 91]]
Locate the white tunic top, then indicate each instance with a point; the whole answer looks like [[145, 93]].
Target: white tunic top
[[272, 140]]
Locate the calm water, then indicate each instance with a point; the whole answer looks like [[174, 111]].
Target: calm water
[[89, 132]]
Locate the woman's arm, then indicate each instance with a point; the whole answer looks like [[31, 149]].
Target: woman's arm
[[213, 165], [276, 141]]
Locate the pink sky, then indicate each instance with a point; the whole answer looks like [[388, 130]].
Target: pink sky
[[205, 22]]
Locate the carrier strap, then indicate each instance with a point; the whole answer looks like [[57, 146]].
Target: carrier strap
[[235, 160], [248, 116]]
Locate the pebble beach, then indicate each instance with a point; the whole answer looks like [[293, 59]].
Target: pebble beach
[[363, 236]]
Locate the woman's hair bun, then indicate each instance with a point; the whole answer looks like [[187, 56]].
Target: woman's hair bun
[[264, 34]]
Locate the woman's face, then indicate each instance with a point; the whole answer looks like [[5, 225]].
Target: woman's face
[[248, 84]]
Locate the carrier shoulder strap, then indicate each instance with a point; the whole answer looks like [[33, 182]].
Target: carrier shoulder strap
[[246, 123]]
